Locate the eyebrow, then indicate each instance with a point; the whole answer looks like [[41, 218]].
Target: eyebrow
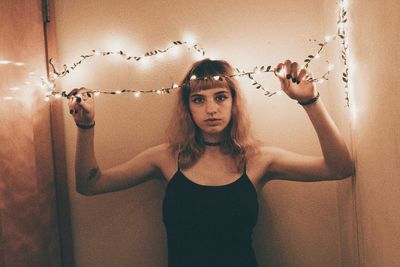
[[217, 93]]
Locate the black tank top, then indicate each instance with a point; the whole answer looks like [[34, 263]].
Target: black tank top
[[210, 226]]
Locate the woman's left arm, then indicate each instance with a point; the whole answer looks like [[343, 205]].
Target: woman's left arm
[[336, 162]]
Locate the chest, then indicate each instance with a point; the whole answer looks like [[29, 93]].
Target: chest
[[217, 171], [187, 204]]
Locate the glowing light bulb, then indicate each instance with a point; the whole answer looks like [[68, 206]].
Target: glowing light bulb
[[340, 26], [189, 39], [328, 38], [354, 111], [52, 76], [160, 55], [144, 62], [197, 56], [48, 85]]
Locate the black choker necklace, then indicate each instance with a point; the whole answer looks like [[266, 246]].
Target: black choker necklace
[[212, 144]]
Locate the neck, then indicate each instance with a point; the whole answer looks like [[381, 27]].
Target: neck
[[214, 139], [212, 143]]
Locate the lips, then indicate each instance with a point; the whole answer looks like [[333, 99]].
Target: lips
[[213, 122]]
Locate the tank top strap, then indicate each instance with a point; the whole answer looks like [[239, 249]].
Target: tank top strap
[[177, 161]]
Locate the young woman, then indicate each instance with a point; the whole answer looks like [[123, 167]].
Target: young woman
[[212, 165]]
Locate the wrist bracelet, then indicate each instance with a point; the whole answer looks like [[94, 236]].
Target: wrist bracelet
[[310, 101], [82, 126]]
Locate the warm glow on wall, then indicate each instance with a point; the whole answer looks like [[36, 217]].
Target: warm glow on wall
[[24, 90], [189, 41]]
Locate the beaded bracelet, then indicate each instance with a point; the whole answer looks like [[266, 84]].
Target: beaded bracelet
[[310, 101], [85, 127]]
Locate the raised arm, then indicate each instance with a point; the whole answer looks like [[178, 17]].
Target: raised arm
[[336, 162], [90, 179]]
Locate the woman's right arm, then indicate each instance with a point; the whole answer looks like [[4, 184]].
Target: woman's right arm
[[90, 179]]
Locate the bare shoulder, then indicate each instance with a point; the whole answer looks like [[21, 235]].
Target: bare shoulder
[[163, 158], [262, 153], [258, 164]]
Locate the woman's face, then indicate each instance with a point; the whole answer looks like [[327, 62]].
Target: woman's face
[[211, 110]]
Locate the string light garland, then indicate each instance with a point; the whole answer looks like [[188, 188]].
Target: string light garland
[[341, 32], [239, 73], [55, 74]]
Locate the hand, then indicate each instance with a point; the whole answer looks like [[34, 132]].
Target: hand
[[295, 82], [81, 106]]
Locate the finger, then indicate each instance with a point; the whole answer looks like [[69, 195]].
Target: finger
[[288, 69], [72, 93], [71, 104], [85, 106], [74, 109], [308, 77], [301, 75], [294, 69], [279, 71], [83, 94]]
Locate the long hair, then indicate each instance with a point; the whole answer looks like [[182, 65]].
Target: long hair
[[184, 135]]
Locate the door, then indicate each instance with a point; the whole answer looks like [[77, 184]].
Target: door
[[29, 233]]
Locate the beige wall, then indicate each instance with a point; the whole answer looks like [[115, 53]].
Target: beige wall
[[376, 53], [300, 224]]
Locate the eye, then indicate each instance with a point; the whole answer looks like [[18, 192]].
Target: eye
[[221, 98], [197, 99]]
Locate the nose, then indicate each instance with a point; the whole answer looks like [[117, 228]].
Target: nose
[[211, 107]]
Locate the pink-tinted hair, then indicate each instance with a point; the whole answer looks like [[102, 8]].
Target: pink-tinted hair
[[183, 134]]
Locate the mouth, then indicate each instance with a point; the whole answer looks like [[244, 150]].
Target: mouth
[[213, 122]]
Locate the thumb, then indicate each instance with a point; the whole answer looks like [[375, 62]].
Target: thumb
[[281, 75], [85, 106]]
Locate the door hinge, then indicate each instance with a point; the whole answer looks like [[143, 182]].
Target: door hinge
[[46, 11]]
